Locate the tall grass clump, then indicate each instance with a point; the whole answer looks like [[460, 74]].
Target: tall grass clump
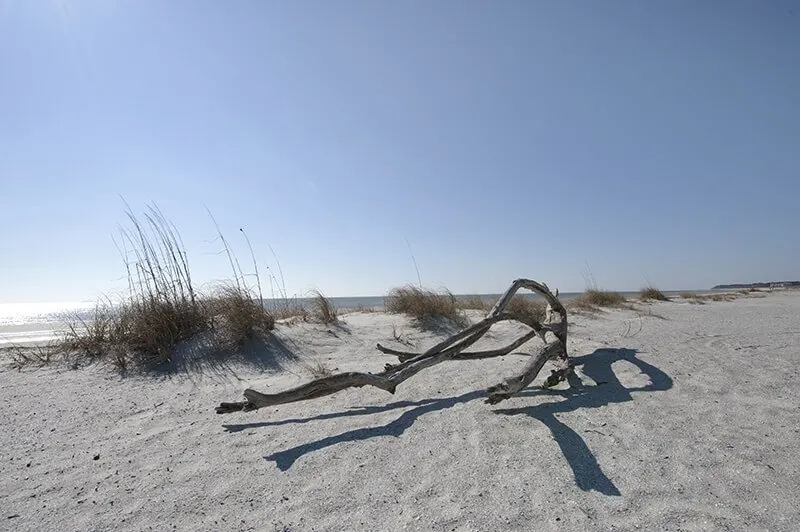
[[649, 293], [324, 310], [162, 307], [593, 298], [429, 308], [238, 316], [238, 312]]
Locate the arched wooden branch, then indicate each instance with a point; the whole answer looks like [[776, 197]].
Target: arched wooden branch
[[452, 348]]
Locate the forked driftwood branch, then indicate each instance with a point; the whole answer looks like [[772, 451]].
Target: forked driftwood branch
[[555, 347]]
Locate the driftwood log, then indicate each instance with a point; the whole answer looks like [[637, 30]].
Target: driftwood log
[[453, 348]]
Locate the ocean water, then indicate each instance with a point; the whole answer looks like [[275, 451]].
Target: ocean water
[[25, 313], [24, 323]]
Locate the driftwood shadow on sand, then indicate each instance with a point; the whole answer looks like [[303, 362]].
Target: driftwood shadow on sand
[[609, 390], [585, 468], [285, 459]]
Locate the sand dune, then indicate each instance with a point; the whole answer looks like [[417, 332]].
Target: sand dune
[[687, 421]]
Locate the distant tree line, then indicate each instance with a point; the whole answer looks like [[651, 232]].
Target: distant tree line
[[775, 284]]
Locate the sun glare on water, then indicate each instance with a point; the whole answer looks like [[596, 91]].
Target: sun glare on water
[[22, 313]]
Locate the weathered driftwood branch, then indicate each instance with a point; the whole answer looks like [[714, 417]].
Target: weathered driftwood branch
[[452, 348]]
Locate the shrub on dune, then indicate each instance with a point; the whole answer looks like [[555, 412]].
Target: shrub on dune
[[324, 309], [425, 306], [239, 316], [651, 293], [594, 298]]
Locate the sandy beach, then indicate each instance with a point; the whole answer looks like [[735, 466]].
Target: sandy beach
[[688, 418]]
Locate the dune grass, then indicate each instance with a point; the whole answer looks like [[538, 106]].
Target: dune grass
[[317, 308], [238, 316], [324, 311], [162, 308], [594, 298], [650, 293], [429, 308]]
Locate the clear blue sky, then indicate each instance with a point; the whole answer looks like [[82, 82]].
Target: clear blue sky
[[629, 141]]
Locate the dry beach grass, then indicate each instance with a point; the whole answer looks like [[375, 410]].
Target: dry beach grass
[[163, 310], [651, 293], [428, 307], [594, 298]]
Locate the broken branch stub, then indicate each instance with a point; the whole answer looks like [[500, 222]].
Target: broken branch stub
[[453, 348]]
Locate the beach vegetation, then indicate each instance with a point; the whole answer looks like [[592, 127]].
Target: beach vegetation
[[594, 298], [237, 316], [429, 308], [651, 293], [163, 308], [324, 311]]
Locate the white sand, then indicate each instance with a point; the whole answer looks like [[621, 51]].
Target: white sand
[[694, 426]]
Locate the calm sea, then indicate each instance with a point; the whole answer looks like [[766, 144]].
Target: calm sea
[[34, 322]]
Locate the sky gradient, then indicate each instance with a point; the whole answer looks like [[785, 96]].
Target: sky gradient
[[618, 142]]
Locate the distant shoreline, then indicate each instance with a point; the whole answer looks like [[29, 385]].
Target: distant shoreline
[[773, 284]]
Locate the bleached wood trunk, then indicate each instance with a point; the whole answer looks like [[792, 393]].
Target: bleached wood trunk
[[453, 348]]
